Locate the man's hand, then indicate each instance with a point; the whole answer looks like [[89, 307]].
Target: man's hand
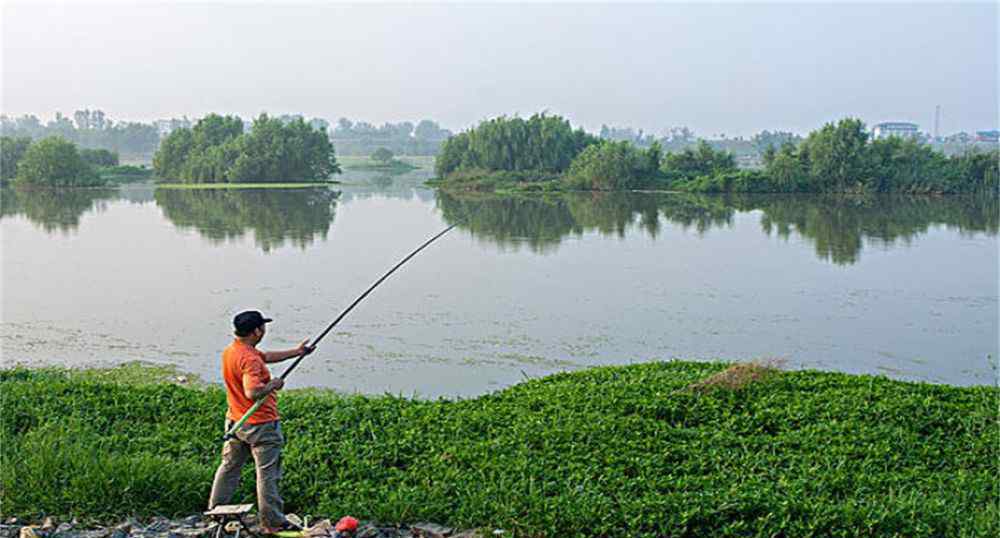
[[261, 392], [304, 349], [273, 385], [278, 356]]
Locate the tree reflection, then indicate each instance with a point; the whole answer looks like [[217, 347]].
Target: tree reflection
[[841, 226], [54, 209], [275, 216], [542, 222], [838, 226]]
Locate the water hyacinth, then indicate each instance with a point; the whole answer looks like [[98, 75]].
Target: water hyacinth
[[640, 450]]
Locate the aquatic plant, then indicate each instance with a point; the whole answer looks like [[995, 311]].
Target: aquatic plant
[[611, 451]]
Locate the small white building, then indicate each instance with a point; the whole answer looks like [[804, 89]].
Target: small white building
[[901, 129]]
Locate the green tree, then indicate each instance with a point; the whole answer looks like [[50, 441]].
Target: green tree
[[170, 158], [614, 166], [541, 144], [837, 155], [54, 162], [99, 157], [382, 156], [785, 170], [701, 160], [11, 152]]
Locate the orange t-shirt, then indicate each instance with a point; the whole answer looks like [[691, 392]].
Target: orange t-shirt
[[243, 366]]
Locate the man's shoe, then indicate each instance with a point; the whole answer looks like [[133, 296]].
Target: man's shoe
[[290, 528]]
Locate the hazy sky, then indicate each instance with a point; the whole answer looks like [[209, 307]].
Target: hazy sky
[[717, 68]]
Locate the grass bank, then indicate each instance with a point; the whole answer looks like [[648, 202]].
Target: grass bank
[[394, 166], [613, 451]]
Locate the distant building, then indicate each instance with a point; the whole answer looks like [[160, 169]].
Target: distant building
[[988, 136], [901, 129]]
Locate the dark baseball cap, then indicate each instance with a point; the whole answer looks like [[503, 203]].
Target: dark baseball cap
[[246, 322]]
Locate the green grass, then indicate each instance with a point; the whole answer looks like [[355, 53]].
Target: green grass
[[198, 186], [612, 451], [395, 165], [360, 161]]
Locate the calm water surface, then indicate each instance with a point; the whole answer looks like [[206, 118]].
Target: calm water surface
[[905, 287]]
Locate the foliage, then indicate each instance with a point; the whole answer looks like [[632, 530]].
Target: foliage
[[541, 144], [610, 166], [699, 161], [99, 157], [11, 152], [126, 173], [274, 150], [382, 155], [54, 162], [612, 451], [836, 155], [744, 181]]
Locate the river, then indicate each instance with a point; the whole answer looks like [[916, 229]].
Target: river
[[523, 287]]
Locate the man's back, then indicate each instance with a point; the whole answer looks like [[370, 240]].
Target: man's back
[[243, 368]]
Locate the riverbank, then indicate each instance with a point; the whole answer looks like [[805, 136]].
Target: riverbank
[[642, 450], [225, 186]]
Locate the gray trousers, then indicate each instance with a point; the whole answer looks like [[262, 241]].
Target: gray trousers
[[264, 442]]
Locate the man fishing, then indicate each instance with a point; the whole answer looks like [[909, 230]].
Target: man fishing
[[248, 380]]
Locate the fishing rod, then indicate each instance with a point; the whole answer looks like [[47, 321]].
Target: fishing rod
[[232, 431]]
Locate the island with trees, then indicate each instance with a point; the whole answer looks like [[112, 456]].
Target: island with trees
[[544, 153], [217, 150]]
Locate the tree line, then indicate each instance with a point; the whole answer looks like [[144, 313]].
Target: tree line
[[217, 150], [545, 153], [88, 129], [404, 138]]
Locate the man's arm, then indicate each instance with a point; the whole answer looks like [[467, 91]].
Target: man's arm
[[278, 356], [257, 392]]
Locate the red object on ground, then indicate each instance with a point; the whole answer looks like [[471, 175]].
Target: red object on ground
[[347, 524]]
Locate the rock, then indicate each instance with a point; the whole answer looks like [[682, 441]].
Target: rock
[[48, 524], [158, 525], [191, 521], [191, 532], [320, 530], [468, 534], [10, 530], [64, 530], [430, 530], [367, 531], [119, 533], [94, 533], [127, 526]]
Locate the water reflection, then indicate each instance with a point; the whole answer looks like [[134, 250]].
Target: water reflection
[[275, 216], [54, 210], [838, 226]]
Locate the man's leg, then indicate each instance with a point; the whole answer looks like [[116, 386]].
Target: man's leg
[[266, 449], [227, 476]]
